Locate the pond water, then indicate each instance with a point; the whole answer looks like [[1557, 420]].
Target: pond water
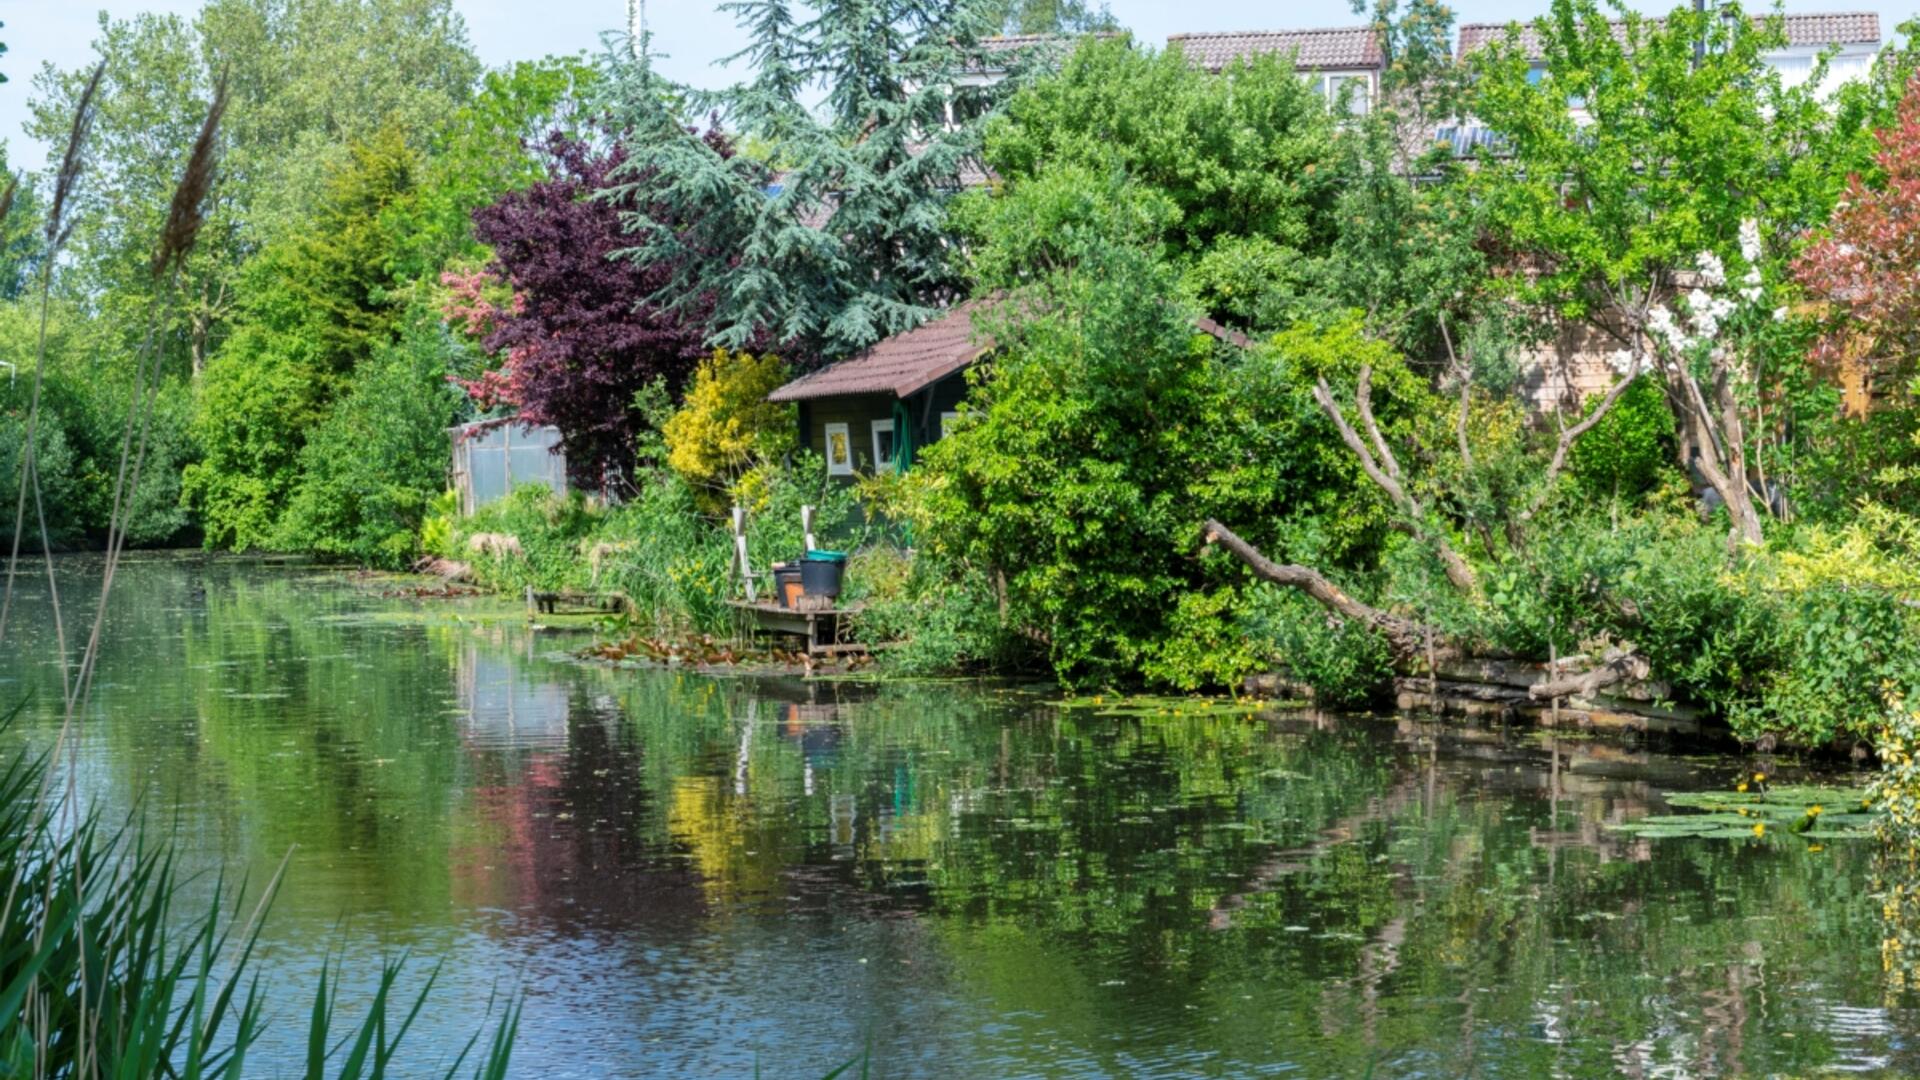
[[699, 876]]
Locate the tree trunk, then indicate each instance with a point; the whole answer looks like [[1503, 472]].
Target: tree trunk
[[1383, 469]]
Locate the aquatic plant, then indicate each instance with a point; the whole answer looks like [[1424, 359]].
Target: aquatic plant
[[1756, 809]]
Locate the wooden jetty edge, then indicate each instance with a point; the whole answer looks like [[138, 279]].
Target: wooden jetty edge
[[824, 628]]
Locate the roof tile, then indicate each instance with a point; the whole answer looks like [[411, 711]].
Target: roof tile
[[1814, 29], [902, 364], [1338, 47], [907, 363]]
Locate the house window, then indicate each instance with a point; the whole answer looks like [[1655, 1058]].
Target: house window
[[947, 420], [839, 450], [1353, 88], [883, 446]]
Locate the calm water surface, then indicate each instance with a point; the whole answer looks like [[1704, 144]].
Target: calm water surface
[[690, 876]]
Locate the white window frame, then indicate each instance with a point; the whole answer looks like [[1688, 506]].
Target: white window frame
[[947, 420], [881, 462], [843, 467]]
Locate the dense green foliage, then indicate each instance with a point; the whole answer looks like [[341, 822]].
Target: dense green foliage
[[1106, 429], [672, 561], [369, 470], [1242, 162]]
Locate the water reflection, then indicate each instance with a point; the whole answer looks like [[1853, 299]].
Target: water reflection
[[692, 876]]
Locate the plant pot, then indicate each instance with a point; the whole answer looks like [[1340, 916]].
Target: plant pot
[[821, 573], [786, 584]]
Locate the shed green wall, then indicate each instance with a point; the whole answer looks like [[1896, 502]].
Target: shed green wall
[[859, 411]]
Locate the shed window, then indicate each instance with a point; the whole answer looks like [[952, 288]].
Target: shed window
[[839, 450], [883, 446]]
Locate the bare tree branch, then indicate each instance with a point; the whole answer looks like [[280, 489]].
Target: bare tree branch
[[1571, 435], [1407, 638], [1463, 373], [1412, 515]]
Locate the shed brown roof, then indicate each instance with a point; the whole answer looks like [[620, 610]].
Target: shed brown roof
[[908, 363], [1337, 47], [902, 364], [1812, 30]]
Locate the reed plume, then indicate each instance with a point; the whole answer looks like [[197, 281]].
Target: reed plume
[[57, 230], [69, 176], [184, 218], [188, 211]]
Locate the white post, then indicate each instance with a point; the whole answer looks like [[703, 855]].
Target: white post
[[806, 526], [740, 549]]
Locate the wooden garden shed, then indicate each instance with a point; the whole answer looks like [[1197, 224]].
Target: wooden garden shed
[[874, 411]]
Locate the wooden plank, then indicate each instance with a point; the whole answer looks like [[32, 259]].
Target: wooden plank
[[771, 607]]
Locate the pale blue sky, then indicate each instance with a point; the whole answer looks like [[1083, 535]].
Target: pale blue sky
[[692, 34]]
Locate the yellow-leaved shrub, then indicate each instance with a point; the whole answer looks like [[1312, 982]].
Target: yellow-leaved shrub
[[727, 433]]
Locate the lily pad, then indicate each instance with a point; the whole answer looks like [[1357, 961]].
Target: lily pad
[[1808, 811]]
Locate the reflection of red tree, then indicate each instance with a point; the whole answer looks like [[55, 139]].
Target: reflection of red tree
[[518, 856], [554, 835]]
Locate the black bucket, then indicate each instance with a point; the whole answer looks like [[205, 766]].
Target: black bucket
[[821, 573]]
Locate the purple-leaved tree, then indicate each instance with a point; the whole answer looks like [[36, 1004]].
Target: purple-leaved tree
[[579, 339]]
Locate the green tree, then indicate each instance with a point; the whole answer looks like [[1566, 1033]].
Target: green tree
[[1243, 159], [1105, 430], [1407, 251], [370, 470], [315, 304], [1677, 134], [862, 182], [307, 78], [478, 154], [21, 239]]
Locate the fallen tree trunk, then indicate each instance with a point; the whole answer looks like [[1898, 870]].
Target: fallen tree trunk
[[1407, 638], [1417, 645]]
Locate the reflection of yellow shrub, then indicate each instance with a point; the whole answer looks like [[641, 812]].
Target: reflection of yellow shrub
[[728, 430]]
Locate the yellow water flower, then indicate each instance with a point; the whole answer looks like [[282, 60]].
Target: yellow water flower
[[1759, 778], [1816, 847], [1760, 829], [1814, 810], [1741, 787]]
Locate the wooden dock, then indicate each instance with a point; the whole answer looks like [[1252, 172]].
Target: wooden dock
[[824, 628]]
